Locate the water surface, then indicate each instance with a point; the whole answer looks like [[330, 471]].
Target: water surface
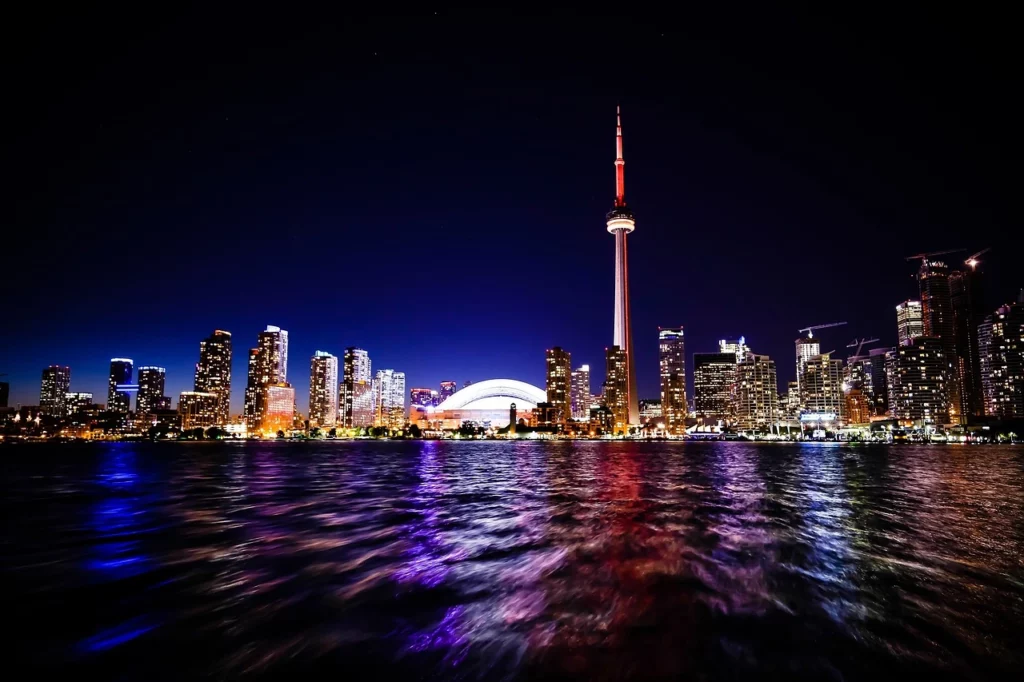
[[495, 560]]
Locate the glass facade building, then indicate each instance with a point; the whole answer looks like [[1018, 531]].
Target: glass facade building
[[120, 374], [213, 372], [558, 373], [53, 390], [672, 375]]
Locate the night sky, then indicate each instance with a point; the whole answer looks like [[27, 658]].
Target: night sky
[[433, 187]]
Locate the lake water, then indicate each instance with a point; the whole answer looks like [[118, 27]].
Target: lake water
[[495, 560]]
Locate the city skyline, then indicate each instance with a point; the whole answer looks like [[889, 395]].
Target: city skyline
[[447, 169]]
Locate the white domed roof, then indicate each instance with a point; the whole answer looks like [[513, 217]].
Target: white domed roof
[[495, 394]]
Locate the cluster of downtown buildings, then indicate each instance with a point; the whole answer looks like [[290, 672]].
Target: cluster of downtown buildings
[[957, 362]]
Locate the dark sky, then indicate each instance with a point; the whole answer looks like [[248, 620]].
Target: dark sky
[[433, 187]]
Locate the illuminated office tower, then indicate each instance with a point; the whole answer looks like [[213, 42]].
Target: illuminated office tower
[[279, 410], [54, 389], [879, 380], [198, 409], [620, 223], [616, 387], [737, 346], [151, 390], [389, 399], [356, 400], [323, 389], [448, 389], [757, 391], [909, 324], [579, 398], [268, 365], [821, 386], [967, 300], [76, 402], [213, 372], [917, 382], [120, 375], [1001, 345], [558, 363], [937, 322], [421, 397], [714, 376], [672, 373]]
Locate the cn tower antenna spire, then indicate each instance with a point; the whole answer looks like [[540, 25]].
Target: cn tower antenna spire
[[620, 163]]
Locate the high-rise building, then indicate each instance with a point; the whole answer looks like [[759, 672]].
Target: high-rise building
[[421, 397], [1001, 350], [356, 402], [198, 409], [53, 390], [738, 346], [580, 393], [151, 390], [789, 404], [213, 372], [937, 322], [76, 402], [879, 380], [120, 375], [389, 399], [909, 323], [714, 376], [650, 411], [621, 224], [757, 405], [616, 387], [967, 300], [558, 363], [821, 386], [672, 371], [859, 406], [806, 348], [448, 389], [279, 410], [323, 389], [917, 374], [268, 366]]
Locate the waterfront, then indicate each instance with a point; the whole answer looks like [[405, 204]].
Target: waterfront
[[514, 560]]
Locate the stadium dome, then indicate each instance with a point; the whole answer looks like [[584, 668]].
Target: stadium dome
[[493, 395]]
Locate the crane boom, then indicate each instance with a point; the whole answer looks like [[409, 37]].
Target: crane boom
[[973, 260], [927, 255], [860, 345], [810, 330]]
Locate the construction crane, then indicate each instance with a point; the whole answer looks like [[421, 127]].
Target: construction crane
[[860, 345], [973, 260], [810, 330], [926, 256]]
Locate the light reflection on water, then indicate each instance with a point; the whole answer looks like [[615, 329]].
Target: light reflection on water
[[516, 560]]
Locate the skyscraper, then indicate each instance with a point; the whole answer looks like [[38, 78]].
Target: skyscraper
[[806, 348], [967, 300], [356, 402], [579, 397], [821, 386], [279, 408], [937, 322], [621, 224], [323, 389], [268, 366], [917, 382], [76, 402], [672, 370], [421, 397], [879, 380], [616, 387], [757, 405], [1001, 348], [909, 323], [738, 346], [389, 399], [151, 390], [198, 409], [53, 390], [558, 378], [120, 375], [213, 372], [448, 389], [714, 375]]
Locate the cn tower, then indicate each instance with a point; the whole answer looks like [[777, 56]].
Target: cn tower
[[620, 224]]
